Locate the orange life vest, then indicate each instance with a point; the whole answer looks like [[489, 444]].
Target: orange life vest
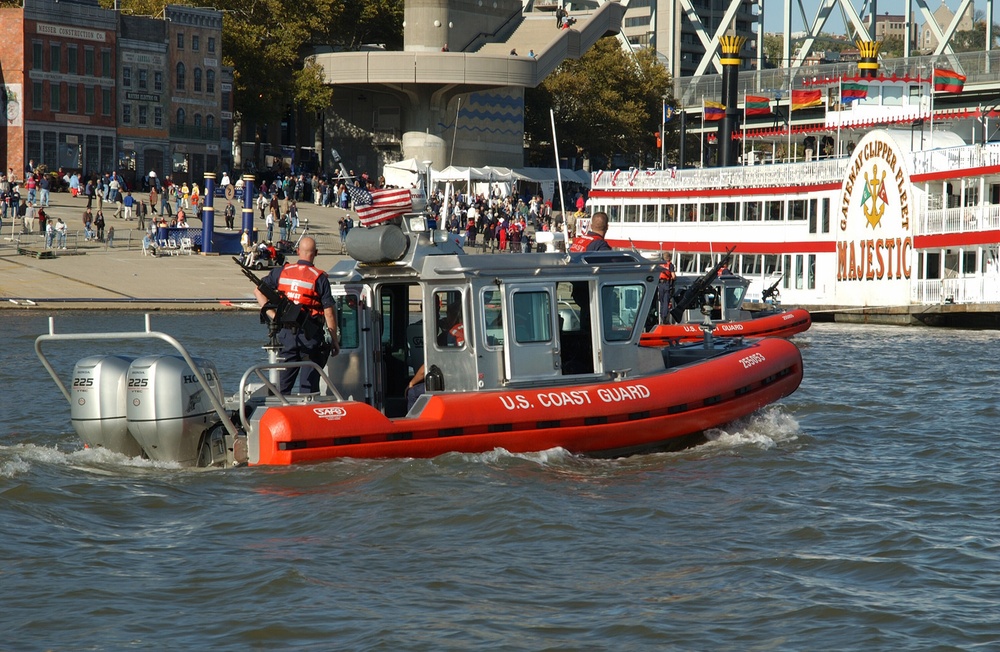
[[583, 242], [298, 282]]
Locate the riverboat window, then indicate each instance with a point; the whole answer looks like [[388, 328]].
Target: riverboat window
[[710, 212], [826, 214], [669, 213], [971, 195], [730, 211], [785, 270], [614, 212], [620, 310], [915, 95], [811, 271], [630, 214], [770, 264], [749, 265], [774, 211], [689, 212], [752, 211], [532, 317], [968, 262], [687, 263], [493, 317], [798, 272], [797, 209], [450, 318], [892, 95], [648, 212], [812, 216], [348, 321]]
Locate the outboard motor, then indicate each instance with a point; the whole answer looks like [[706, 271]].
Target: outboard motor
[[168, 410], [97, 404]]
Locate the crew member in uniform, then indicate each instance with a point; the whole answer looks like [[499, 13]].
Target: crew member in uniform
[[306, 286], [666, 287], [593, 240]]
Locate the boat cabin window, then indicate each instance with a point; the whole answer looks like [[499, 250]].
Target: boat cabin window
[[532, 317], [493, 317], [648, 212], [812, 216], [752, 211], [620, 310], [892, 95], [669, 213], [614, 213], [749, 265], [689, 212], [797, 209], [825, 204], [449, 317], [687, 263], [710, 212], [631, 213], [775, 210], [348, 321], [787, 271], [730, 211], [770, 264]]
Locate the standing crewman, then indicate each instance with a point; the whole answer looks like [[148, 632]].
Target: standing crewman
[[593, 240], [314, 337], [666, 287]]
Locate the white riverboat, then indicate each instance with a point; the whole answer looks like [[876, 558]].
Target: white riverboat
[[903, 229]]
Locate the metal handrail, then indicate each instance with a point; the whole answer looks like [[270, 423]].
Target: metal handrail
[[257, 370], [148, 334]]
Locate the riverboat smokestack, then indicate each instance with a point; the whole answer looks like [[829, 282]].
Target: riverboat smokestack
[[731, 46], [868, 60]]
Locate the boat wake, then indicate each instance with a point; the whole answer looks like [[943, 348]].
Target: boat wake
[[21, 458], [763, 430]]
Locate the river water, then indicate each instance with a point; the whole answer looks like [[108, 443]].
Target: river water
[[858, 514]]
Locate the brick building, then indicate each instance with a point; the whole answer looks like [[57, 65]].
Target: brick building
[[90, 89]]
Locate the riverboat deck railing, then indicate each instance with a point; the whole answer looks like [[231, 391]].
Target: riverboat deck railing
[[974, 289], [955, 158], [966, 219], [750, 176]]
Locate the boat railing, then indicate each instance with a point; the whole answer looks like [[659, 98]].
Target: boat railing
[[147, 334], [958, 290], [962, 219], [963, 157], [749, 176], [259, 370]]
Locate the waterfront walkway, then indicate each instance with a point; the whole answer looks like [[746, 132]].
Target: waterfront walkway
[[92, 275]]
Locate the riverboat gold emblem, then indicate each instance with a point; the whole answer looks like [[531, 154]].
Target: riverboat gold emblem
[[874, 190]]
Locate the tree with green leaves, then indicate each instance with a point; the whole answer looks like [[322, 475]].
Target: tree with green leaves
[[606, 104]]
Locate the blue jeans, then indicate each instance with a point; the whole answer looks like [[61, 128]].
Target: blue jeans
[[45, 197]]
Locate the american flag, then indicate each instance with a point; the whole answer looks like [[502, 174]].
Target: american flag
[[377, 206]]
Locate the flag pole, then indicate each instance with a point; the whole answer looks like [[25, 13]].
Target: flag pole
[[562, 202], [743, 157], [840, 114], [703, 132], [930, 87]]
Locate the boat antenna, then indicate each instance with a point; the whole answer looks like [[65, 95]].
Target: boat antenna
[[562, 201]]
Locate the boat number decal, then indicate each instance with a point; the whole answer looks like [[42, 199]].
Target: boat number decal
[[565, 398], [330, 413], [752, 359], [83, 382]]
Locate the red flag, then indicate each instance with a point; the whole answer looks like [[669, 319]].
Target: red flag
[[806, 99], [948, 81], [758, 105]]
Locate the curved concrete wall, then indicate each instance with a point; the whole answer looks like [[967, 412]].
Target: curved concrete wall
[[430, 24]]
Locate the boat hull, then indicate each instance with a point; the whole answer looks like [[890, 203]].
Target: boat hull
[[598, 419], [782, 324]]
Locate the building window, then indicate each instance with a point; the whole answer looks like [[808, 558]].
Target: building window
[[157, 81], [197, 120], [106, 101], [197, 80], [180, 40], [88, 100], [88, 61], [210, 122], [127, 76], [126, 114], [37, 59], [195, 42], [72, 60], [211, 45], [54, 97], [36, 95], [158, 117], [143, 115], [73, 99], [180, 76], [181, 116], [55, 57], [143, 77], [209, 81], [105, 63]]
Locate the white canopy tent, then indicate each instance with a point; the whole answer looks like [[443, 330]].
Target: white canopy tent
[[403, 174]]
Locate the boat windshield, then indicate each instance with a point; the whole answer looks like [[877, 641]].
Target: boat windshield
[[620, 309]]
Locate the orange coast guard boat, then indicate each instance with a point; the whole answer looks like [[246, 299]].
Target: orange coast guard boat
[[550, 357]]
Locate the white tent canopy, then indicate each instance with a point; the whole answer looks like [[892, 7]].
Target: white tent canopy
[[402, 174], [462, 174]]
